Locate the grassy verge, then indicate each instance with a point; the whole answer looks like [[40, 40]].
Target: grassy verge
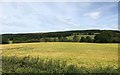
[[28, 64]]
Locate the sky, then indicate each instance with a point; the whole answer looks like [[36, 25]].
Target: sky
[[29, 17], [59, 0]]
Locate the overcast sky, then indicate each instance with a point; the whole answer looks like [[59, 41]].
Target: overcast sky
[[57, 16]]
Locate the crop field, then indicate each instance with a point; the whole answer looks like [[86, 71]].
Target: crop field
[[60, 57]]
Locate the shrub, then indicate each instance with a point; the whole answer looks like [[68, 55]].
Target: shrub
[[36, 65]]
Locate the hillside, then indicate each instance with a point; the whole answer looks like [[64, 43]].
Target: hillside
[[62, 36]]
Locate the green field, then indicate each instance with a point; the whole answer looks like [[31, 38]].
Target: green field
[[88, 56]]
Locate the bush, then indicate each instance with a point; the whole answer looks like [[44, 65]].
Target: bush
[[104, 37], [36, 65], [88, 39], [76, 38], [5, 41], [82, 39]]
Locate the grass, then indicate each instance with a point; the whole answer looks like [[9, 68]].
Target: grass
[[29, 64], [77, 57]]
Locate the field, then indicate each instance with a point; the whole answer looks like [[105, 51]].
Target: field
[[70, 57]]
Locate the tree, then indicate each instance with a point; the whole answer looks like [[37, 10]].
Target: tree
[[65, 39], [55, 39], [88, 39], [90, 33], [76, 38], [82, 39], [42, 40], [51, 39], [104, 36], [61, 39], [5, 41], [46, 39], [115, 40]]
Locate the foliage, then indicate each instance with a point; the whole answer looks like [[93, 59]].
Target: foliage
[[5, 41], [90, 33], [82, 39], [106, 37], [36, 65], [101, 36], [88, 39], [76, 38]]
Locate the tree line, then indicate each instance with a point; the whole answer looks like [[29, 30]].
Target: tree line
[[101, 36]]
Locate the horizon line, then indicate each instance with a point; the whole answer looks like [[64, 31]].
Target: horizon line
[[57, 31]]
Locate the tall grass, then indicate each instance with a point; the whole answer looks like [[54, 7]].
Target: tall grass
[[28, 64]]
